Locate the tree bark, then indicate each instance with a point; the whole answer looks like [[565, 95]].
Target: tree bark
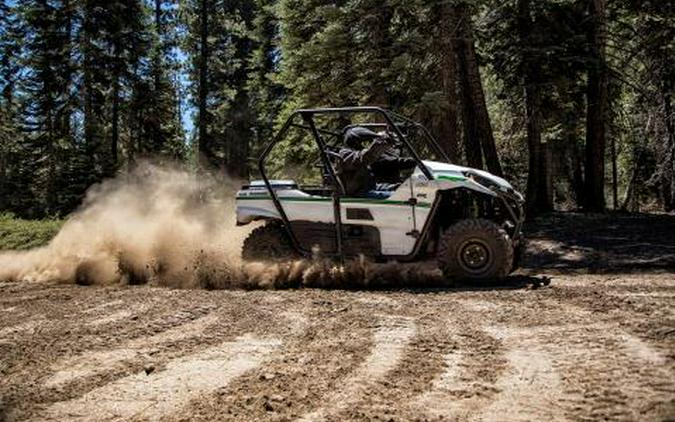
[[449, 131], [206, 157], [668, 173], [577, 173], [539, 198], [631, 199], [381, 42], [472, 146], [115, 116], [157, 90], [597, 100], [90, 117], [157, 71], [476, 119]]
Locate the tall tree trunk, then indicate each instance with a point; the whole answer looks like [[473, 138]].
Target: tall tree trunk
[[539, 178], [157, 138], [449, 132], [539, 197], [381, 42], [115, 119], [157, 71], [68, 75], [577, 173], [205, 154], [597, 100], [615, 175], [90, 118], [477, 120], [631, 201], [668, 173], [472, 148]]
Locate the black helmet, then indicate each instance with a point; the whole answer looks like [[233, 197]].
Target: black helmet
[[356, 136]]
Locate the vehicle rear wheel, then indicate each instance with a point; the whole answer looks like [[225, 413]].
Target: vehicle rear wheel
[[475, 250], [268, 242]]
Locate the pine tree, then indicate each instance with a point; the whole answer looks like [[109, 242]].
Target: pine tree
[[161, 131], [10, 45], [446, 24], [266, 94], [219, 42], [47, 100], [478, 134], [597, 109], [114, 44]]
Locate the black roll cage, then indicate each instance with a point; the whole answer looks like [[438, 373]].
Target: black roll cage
[[309, 124]]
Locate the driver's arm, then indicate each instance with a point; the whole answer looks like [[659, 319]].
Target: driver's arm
[[390, 160], [365, 157]]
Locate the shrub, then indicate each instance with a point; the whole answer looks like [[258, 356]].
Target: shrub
[[16, 233]]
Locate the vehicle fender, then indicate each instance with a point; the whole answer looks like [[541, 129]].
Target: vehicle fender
[[247, 214]]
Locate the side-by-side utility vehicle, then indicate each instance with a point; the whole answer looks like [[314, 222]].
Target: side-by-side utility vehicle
[[468, 220]]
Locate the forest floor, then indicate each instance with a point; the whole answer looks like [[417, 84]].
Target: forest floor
[[586, 331]]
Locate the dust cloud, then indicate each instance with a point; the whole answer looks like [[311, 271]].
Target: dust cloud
[[166, 226]]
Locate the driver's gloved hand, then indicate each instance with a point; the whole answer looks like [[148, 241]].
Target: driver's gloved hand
[[408, 163]]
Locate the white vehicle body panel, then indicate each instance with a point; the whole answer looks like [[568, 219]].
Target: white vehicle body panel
[[394, 217]]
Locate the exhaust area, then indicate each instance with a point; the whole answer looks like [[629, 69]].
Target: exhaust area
[[165, 226]]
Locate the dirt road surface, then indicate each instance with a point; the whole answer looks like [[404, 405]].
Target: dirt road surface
[[582, 347]]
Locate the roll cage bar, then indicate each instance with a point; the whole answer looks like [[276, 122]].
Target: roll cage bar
[[392, 121]]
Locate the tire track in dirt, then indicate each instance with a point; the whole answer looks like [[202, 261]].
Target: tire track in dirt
[[312, 361], [23, 388], [597, 368], [390, 339], [530, 388], [392, 396], [604, 378], [110, 319], [467, 382], [25, 328], [623, 377], [93, 363], [151, 396], [449, 380]]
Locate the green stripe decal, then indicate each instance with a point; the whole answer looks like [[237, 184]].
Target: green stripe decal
[[287, 198], [343, 200], [451, 178]]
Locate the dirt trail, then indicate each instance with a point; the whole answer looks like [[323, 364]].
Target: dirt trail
[[531, 388], [91, 363], [142, 395], [586, 347], [389, 341]]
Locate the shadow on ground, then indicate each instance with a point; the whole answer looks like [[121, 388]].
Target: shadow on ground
[[601, 243]]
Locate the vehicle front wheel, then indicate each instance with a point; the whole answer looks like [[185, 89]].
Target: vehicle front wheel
[[475, 250]]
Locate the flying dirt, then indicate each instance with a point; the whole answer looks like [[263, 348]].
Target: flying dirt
[[165, 226], [158, 225]]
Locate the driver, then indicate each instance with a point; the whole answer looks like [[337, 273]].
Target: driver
[[360, 167]]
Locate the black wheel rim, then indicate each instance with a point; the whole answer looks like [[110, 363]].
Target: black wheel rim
[[474, 256]]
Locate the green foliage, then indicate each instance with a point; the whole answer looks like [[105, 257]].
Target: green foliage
[[16, 233], [219, 72], [89, 86]]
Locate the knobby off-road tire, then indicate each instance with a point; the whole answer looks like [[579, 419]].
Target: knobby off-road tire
[[268, 243], [475, 250]]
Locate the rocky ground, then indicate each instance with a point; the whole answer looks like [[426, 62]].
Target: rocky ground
[[585, 332]]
